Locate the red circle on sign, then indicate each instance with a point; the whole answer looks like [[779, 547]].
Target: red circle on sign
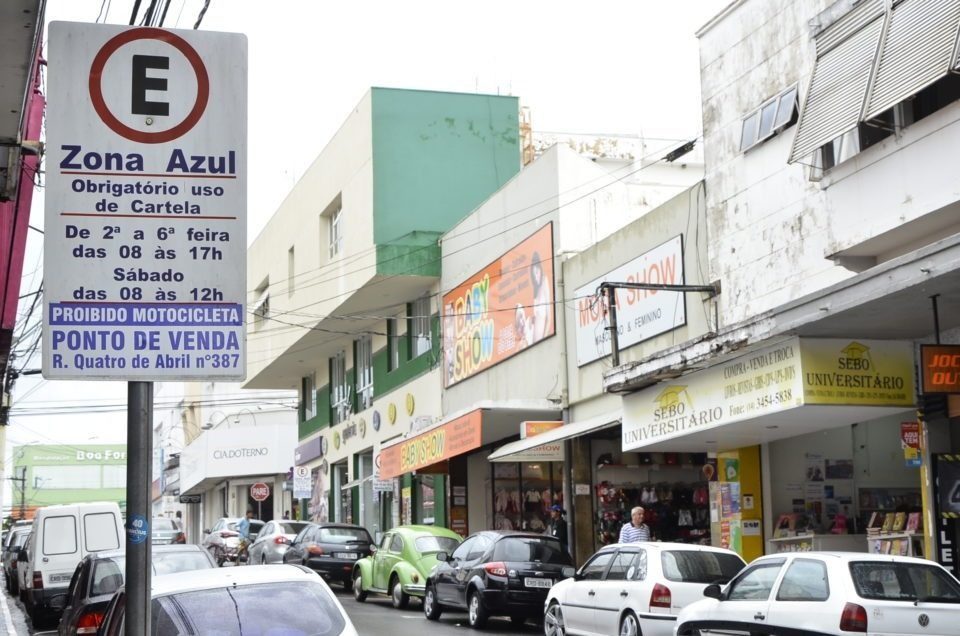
[[114, 124], [260, 491]]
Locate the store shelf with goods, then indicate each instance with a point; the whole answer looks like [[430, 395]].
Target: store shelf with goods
[[817, 542], [901, 543]]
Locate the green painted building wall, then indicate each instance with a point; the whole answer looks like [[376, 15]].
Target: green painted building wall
[[436, 157], [68, 474]]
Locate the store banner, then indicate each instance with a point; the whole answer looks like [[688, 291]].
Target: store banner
[[940, 368], [910, 441], [501, 310], [532, 428], [787, 375], [641, 314], [430, 447]]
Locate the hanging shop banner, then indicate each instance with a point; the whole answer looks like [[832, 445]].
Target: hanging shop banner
[[641, 314], [940, 368], [783, 376], [530, 428], [501, 310], [146, 199], [910, 441], [430, 447]]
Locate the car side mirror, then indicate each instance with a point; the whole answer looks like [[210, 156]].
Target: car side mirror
[[443, 557], [373, 549], [569, 572], [712, 591], [207, 531]]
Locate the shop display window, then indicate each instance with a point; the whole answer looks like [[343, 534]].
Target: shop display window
[[523, 494]]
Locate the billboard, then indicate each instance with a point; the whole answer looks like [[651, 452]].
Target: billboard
[[501, 310], [641, 313]]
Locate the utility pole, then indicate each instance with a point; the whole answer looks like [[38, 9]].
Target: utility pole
[[23, 491]]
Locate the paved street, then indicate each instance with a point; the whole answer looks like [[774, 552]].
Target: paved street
[[374, 617]]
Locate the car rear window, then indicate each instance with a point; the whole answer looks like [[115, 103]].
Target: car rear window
[[272, 608], [292, 528], [903, 581], [528, 549], [100, 532], [173, 562], [59, 535], [108, 573], [694, 566], [436, 544], [344, 535], [107, 576]]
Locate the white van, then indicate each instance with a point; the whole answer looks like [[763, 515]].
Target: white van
[[62, 536]]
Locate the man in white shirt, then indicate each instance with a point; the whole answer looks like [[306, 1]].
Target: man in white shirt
[[635, 531]]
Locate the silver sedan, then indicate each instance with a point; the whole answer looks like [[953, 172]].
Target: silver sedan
[[273, 541]]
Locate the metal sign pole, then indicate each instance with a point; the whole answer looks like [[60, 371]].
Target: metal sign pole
[[139, 449]]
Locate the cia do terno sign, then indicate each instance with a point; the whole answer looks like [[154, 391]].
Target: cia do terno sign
[[145, 236]]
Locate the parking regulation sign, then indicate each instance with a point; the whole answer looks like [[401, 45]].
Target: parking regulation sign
[[146, 197]]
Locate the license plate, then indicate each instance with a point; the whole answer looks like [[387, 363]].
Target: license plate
[[545, 583], [60, 578], [345, 555]]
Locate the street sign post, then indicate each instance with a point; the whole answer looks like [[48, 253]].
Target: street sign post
[[301, 482], [145, 229], [259, 493]]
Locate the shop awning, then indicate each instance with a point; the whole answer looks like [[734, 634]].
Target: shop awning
[[355, 483], [527, 449]]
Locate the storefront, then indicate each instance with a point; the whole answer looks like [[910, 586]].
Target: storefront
[[802, 439]]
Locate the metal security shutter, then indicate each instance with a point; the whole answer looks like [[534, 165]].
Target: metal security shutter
[[846, 53], [917, 51]]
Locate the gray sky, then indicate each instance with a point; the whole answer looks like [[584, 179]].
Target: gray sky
[[628, 67]]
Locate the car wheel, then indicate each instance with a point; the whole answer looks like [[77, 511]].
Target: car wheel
[[399, 598], [358, 594], [477, 614], [629, 625], [553, 624], [431, 609]]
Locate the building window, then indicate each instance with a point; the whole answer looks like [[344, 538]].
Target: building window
[[261, 306], [418, 326], [363, 365], [774, 115], [336, 232], [339, 389], [308, 386], [291, 271], [393, 344]]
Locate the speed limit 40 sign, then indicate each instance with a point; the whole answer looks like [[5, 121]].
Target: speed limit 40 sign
[[259, 491]]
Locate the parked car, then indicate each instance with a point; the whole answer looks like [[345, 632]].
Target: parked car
[[400, 566], [223, 541], [636, 588], [17, 537], [100, 575], [272, 599], [166, 531], [331, 550], [497, 573], [23, 560], [62, 536], [830, 593], [274, 540]]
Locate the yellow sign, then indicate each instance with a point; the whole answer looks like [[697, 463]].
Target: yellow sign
[[530, 428], [857, 372], [783, 376]]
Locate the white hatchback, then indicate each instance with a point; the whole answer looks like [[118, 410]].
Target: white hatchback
[[636, 588], [830, 593]]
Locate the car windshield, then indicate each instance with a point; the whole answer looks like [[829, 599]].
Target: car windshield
[[108, 573], [530, 549], [694, 566], [344, 535], [165, 525], [290, 609], [904, 581], [436, 544], [292, 527]]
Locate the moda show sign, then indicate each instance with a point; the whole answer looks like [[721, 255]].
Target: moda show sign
[[146, 197], [787, 375], [641, 314]]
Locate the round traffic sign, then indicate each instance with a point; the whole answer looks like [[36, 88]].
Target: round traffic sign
[[259, 491]]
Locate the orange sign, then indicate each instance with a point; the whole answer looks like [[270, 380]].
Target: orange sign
[[940, 365], [430, 447], [532, 428], [501, 310]]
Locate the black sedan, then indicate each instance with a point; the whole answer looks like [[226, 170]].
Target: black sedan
[[496, 573], [100, 574], [330, 550]]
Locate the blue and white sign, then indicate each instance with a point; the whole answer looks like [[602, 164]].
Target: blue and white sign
[[146, 196], [302, 483], [138, 529]]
